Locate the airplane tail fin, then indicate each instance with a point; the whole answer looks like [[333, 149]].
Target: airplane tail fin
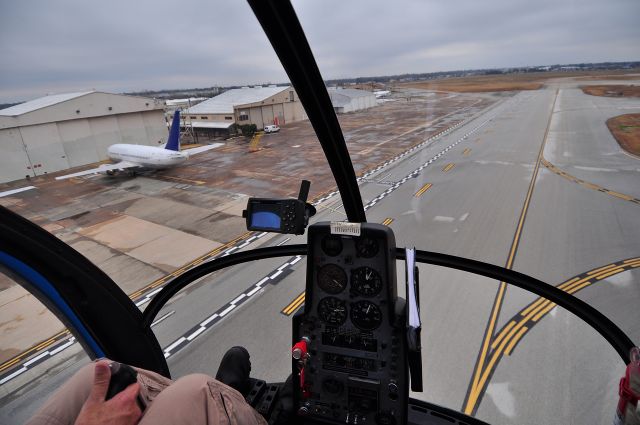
[[173, 144]]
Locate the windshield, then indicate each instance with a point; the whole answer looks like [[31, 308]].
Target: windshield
[[504, 132]]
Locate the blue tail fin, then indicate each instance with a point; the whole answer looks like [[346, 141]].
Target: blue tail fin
[[174, 134]]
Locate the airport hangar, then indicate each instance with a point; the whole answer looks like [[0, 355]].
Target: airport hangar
[[350, 100], [62, 131], [247, 105]]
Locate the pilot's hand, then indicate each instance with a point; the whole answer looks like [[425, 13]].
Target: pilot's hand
[[122, 409]]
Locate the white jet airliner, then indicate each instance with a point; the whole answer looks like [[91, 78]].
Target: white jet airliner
[[139, 156]]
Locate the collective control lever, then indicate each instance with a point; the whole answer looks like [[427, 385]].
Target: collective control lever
[[300, 354]]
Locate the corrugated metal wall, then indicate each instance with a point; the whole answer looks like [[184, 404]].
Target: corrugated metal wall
[[44, 148]]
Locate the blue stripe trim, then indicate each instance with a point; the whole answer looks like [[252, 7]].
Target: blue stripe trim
[[49, 291]]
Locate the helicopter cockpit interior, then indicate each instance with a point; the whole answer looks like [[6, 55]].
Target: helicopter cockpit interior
[[356, 345]]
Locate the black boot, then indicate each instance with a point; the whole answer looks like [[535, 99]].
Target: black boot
[[234, 370]]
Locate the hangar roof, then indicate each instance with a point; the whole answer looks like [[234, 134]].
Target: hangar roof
[[225, 102], [73, 106], [350, 92], [41, 102]]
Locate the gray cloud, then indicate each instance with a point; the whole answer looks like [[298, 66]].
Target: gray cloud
[[66, 45]]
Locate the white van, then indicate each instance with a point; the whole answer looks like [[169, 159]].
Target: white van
[[271, 128]]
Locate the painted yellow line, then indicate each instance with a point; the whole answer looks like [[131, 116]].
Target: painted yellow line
[[502, 334], [448, 167], [423, 189], [540, 300], [577, 283], [533, 305], [466, 152], [515, 340], [296, 307], [387, 221], [600, 269], [10, 363], [589, 185], [158, 283], [536, 311], [592, 186], [475, 392], [609, 273], [620, 195], [568, 283], [481, 373], [295, 301], [543, 313], [634, 264], [580, 287], [293, 305], [44, 344], [489, 334]]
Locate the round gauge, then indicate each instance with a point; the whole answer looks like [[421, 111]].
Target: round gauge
[[332, 311], [366, 247], [366, 281], [366, 315], [332, 279], [332, 245]]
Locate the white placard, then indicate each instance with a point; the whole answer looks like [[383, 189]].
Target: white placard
[[344, 228]]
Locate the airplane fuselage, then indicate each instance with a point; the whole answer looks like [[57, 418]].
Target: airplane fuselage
[[146, 156]]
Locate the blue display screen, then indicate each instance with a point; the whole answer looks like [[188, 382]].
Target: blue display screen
[[265, 220]]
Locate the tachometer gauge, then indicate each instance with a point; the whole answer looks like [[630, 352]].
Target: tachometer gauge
[[332, 245], [366, 247], [366, 315], [366, 281], [332, 279], [332, 311]]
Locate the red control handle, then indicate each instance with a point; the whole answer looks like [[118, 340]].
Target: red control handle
[[300, 353]]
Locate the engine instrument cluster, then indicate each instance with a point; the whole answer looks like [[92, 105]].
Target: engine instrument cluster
[[356, 370]]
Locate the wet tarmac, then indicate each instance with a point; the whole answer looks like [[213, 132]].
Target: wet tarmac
[[142, 228]]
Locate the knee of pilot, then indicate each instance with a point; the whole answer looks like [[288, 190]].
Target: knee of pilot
[[193, 383]]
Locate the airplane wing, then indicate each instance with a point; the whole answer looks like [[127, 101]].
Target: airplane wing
[[101, 169], [200, 149]]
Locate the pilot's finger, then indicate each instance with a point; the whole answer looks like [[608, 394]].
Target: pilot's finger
[[128, 394], [101, 377]]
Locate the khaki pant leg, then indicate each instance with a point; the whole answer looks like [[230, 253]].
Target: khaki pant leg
[[64, 405], [199, 399]]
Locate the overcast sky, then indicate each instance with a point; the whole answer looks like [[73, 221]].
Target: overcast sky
[[54, 46]]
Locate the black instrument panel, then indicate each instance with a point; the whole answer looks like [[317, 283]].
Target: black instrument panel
[[356, 372]]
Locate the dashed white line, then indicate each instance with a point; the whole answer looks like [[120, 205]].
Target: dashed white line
[[253, 291], [210, 319], [226, 310], [175, 344], [196, 333], [241, 296]]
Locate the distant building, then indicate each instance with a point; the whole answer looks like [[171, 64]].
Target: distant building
[[173, 104], [248, 105], [61, 131], [349, 100]]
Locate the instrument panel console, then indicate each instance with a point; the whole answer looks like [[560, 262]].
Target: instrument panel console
[[356, 369]]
